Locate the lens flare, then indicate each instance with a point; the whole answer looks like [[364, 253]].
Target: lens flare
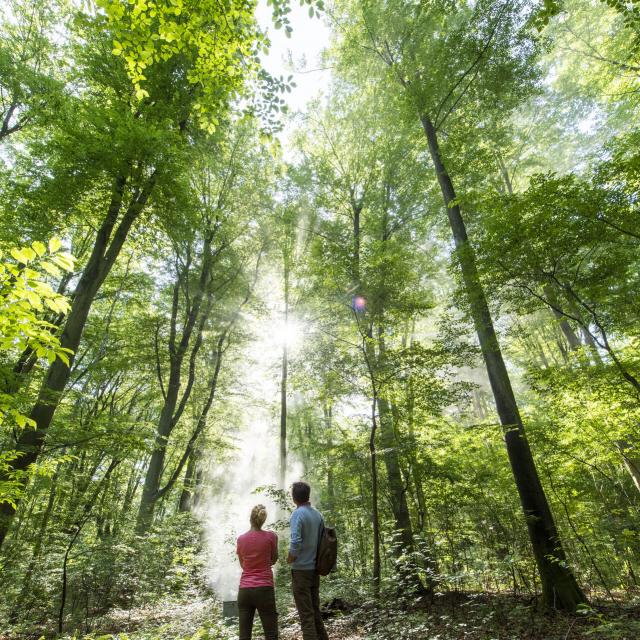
[[359, 303]]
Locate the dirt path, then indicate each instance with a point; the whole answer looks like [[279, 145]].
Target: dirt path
[[177, 621], [337, 630]]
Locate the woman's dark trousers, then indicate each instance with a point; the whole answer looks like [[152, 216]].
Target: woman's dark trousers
[[262, 599]]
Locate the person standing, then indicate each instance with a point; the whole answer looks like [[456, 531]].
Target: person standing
[[306, 526], [257, 551]]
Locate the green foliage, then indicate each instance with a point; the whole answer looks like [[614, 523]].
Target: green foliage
[[25, 296], [218, 41], [29, 81], [28, 303]]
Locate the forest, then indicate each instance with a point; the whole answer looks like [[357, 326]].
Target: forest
[[418, 292]]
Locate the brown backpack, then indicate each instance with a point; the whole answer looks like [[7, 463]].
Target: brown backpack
[[327, 551]]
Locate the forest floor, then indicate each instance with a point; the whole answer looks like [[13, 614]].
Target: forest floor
[[450, 617]]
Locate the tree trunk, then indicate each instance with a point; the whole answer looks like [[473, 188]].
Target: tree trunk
[[197, 494], [173, 407], [153, 476], [429, 558], [572, 339], [331, 493], [369, 358], [593, 347], [559, 586], [285, 376], [402, 546], [394, 479], [543, 356], [375, 517], [190, 452], [105, 251], [356, 210], [185, 503], [631, 462], [283, 417]]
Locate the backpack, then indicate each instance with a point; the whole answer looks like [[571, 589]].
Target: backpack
[[327, 551]]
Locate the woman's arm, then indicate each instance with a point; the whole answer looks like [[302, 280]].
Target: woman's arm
[[239, 555], [274, 550]]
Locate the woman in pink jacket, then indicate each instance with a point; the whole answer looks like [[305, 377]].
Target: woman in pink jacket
[[257, 551]]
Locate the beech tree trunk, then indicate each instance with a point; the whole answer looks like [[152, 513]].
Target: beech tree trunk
[[189, 485], [152, 479], [394, 478], [559, 586], [369, 358], [567, 330], [375, 517], [151, 487], [631, 461], [403, 546], [356, 211], [283, 417], [428, 556], [331, 493], [196, 316], [284, 380]]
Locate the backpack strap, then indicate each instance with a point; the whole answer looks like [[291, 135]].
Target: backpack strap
[[320, 536]]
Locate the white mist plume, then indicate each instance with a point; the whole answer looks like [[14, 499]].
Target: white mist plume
[[225, 509], [225, 513]]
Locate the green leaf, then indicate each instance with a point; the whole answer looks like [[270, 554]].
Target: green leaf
[[21, 255], [141, 94], [33, 298], [39, 248], [63, 261], [51, 269]]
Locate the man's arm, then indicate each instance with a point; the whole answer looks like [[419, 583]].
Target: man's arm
[[296, 538]]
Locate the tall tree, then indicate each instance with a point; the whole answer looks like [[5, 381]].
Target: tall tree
[[454, 78]]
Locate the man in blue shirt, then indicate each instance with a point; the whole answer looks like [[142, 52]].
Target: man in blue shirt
[[306, 524]]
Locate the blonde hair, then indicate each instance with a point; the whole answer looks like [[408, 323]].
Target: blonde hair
[[258, 516]]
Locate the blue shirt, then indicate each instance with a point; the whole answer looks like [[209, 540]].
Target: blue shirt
[[305, 524]]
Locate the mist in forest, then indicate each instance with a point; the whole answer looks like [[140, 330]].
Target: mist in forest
[[250, 473], [225, 512]]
